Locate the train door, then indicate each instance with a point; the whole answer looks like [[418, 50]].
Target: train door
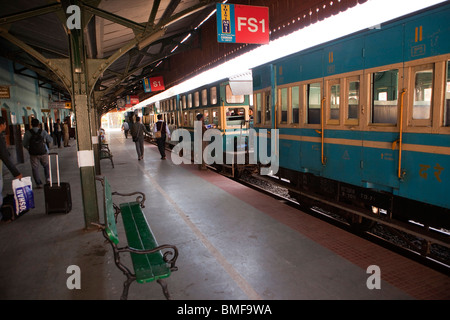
[[380, 156]]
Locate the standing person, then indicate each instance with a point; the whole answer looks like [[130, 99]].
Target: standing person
[[201, 118], [137, 132], [66, 133], [57, 129], [161, 125], [125, 128], [6, 159], [35, 141]]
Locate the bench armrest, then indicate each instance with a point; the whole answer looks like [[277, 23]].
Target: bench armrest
[[140, 199], [172, 250]]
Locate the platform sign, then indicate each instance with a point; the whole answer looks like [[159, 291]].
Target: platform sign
[[242, 24], [153, 84]]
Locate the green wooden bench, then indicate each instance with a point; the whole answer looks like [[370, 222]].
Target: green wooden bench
[[105, 153], [150, 260]]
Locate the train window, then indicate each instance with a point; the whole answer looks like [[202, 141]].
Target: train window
[[204, 97], [189, 100], [235, 116], [206, 116], [335, 101], [267, 107], [230, 98], [447, 98], [215, 117], [384, 96], [213, 95], [258, 100], [423, 91], [353, 100], [185, 119], [295, 102], [314, 103], [284, 104], [196, 99]]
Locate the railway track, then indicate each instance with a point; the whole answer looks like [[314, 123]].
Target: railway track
[[434, 256]]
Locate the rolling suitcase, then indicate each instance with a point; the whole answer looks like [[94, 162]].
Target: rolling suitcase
[[58, 198]]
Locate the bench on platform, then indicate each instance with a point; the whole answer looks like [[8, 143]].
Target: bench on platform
[[105, 153], [150, 260]]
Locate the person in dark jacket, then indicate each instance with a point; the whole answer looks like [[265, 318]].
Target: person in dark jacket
[[137, 132], [5, 157], [161, 125], [39, 157]]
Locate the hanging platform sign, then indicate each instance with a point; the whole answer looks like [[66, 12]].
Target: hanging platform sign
[[242, 24], [153, 84], [59, 105]]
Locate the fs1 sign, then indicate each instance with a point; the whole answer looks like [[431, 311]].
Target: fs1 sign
[[242, 24]]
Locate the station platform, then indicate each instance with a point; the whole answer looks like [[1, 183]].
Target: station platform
[[234, 243]]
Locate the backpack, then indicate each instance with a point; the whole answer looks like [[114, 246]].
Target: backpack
[[37, 143]]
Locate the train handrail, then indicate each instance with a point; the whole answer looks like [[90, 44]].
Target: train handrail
[[400, 141]]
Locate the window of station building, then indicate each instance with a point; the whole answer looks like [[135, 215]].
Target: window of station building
[[384, 96], [196, 99], [235, 116], [204, 97], [353, 98], [295, 102], [230, 98], [335, 101], [313, 105], [183, 102], [258, 104], [423, 92], [191, 119], [447, 98], [213, 95], [283, 96]]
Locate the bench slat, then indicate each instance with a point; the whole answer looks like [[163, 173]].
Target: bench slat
[[148, 267]]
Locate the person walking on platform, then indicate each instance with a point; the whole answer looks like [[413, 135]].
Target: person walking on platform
[[137, 132], [161, 126], [35, 141], [125, 128], [6, 159], [66, 133], [57, 130]]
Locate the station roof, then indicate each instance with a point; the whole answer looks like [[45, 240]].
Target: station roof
[[133, 36]]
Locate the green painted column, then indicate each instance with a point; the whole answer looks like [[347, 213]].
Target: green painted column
[[83, 113]]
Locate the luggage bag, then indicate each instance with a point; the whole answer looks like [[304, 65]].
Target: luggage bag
[[58, 198]]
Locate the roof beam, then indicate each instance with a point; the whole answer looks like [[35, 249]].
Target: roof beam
[[136, 27], [30, 13]]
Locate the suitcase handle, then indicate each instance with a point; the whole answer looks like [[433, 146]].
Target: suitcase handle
[[50, 167]]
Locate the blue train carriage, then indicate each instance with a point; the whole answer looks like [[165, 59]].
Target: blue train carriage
[[222, 110], [365, 120]]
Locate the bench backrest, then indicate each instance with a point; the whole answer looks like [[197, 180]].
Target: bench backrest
[[110, 219]]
